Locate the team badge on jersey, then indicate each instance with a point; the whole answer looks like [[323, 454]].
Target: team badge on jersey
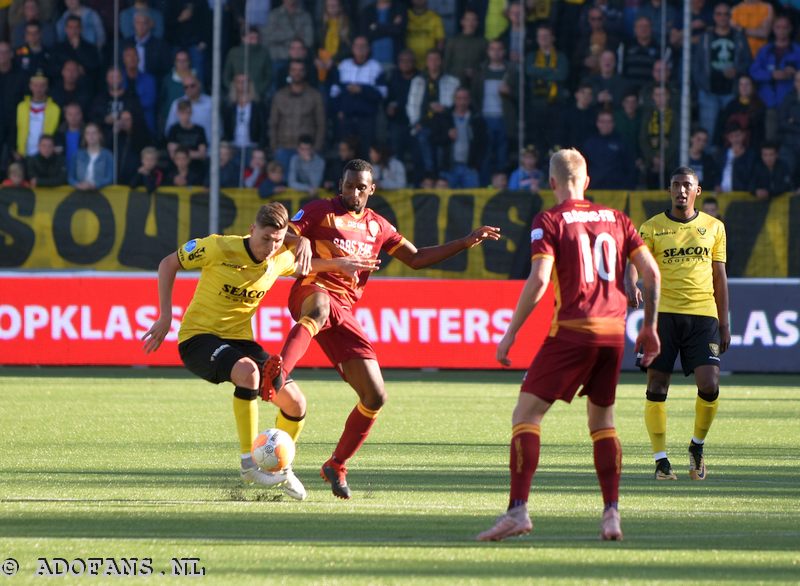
[[373, 228], [190, 246], [702, 231], [537, 234], [297, 216]]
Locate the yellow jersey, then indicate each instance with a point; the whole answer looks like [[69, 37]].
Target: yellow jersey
[[232, 284], [684, 251]]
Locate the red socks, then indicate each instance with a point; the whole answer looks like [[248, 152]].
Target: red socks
[[608, 463], [356, 430], [524, 460], [297, 342]]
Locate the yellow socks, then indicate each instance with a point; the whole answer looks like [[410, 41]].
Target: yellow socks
[[704, 412], [655, 419], [246, 414], [291, 425]]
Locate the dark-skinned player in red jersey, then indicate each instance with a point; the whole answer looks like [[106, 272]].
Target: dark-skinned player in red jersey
[[583, 248], [323, 303]]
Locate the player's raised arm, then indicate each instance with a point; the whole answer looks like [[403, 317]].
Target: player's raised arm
[[532, 292], [644, 264], [167, 269], [421, 258]]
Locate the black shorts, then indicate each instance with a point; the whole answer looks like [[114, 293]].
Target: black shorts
[[694, 337], [212, 358]]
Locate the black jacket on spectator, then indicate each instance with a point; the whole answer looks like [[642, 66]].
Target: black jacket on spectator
[[611, 164], [129, 148], [776, 181], [149, 182], [50, 172], [29, 63], [190, 32], [157, 55], [104, 104], [259, 131], [742, 169], [85, 54], [369, 26], [13, 86], [707, 171], [577, 126], [478, 140], [82, 95]]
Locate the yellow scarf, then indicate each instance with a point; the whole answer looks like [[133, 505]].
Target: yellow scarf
[[542, 88], [653, 129]]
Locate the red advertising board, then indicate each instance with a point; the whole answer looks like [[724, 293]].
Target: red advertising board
[[99, 319]]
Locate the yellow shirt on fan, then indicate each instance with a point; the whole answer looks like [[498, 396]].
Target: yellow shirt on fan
[[684, 251], [232, 284]]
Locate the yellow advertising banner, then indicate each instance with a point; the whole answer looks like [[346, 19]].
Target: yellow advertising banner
[[121, 229]]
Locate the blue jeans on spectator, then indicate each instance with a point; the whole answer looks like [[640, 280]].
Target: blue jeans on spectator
[[497, 149], [426, 151], [284, 156], [710, 106], [460, 176]]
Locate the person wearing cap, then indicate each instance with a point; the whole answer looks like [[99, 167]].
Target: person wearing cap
[[37, 114]]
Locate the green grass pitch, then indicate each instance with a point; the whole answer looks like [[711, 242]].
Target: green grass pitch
[[142, 463]]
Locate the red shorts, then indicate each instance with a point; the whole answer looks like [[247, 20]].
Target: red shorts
[[561, 367], [341, 338]]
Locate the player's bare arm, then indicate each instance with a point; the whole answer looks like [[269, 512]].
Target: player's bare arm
[[647, 342], [632, 291], [301, 247], [531, 294], [167, 269], [720, 277], [421, 258], [346, 265]]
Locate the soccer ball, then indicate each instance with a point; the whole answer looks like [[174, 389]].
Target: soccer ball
[[273, 450]]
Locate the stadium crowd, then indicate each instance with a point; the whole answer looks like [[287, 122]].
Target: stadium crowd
[[427, 90]]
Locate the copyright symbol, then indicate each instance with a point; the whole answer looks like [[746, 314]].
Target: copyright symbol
[[9, 567]]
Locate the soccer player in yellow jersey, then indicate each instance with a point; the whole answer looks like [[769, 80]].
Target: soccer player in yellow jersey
[[215, 340], [689, 247]]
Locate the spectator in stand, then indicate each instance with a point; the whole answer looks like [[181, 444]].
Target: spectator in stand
[[126, 17], [93, 166], [33, 56], [608, 86], [448, 11], [201, 105], [230, 168], [255, 56], [93, 31], [172, 84], [771, 176], [489, 94], [746, 110], [306, 168], [736, 162], [789, 126], [49, 10], [388, 172], [16, 176], [244, 118], [528, 176], [130, 140], [701, 18], [499, 181], [333, 40], [71, 87], [287, 22], [143, 84], [429, 97], [465, 53], [274, 183], [639, 55], [384, 25], [297, 52], [32, 12], [37, 114], [154, 52], [710, 206], [251, 13], [189, 136], [296, 110], [660, 115], [512, 38], [357, 93], [106, 106], [611, 164], [754, 18], [661, 75], [76, 48], [398, 127], [256, 171], [547, 70], [580, 119], [46, 168], [651, 10], [773, 71], [703, 163], [721, 54], [188, 24], [593, 44], [182, 174], [466, 154], [148, 175], [70, 134], [424, 31], [12, 90], [346, 150], [628, 121]]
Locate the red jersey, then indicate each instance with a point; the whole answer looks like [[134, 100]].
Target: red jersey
[[335, 232], [590, 244]]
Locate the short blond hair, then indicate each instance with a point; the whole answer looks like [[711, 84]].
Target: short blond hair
[[567, 166]]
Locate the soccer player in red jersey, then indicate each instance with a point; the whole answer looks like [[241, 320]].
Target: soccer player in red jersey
[[582, 248], [322, 303]]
